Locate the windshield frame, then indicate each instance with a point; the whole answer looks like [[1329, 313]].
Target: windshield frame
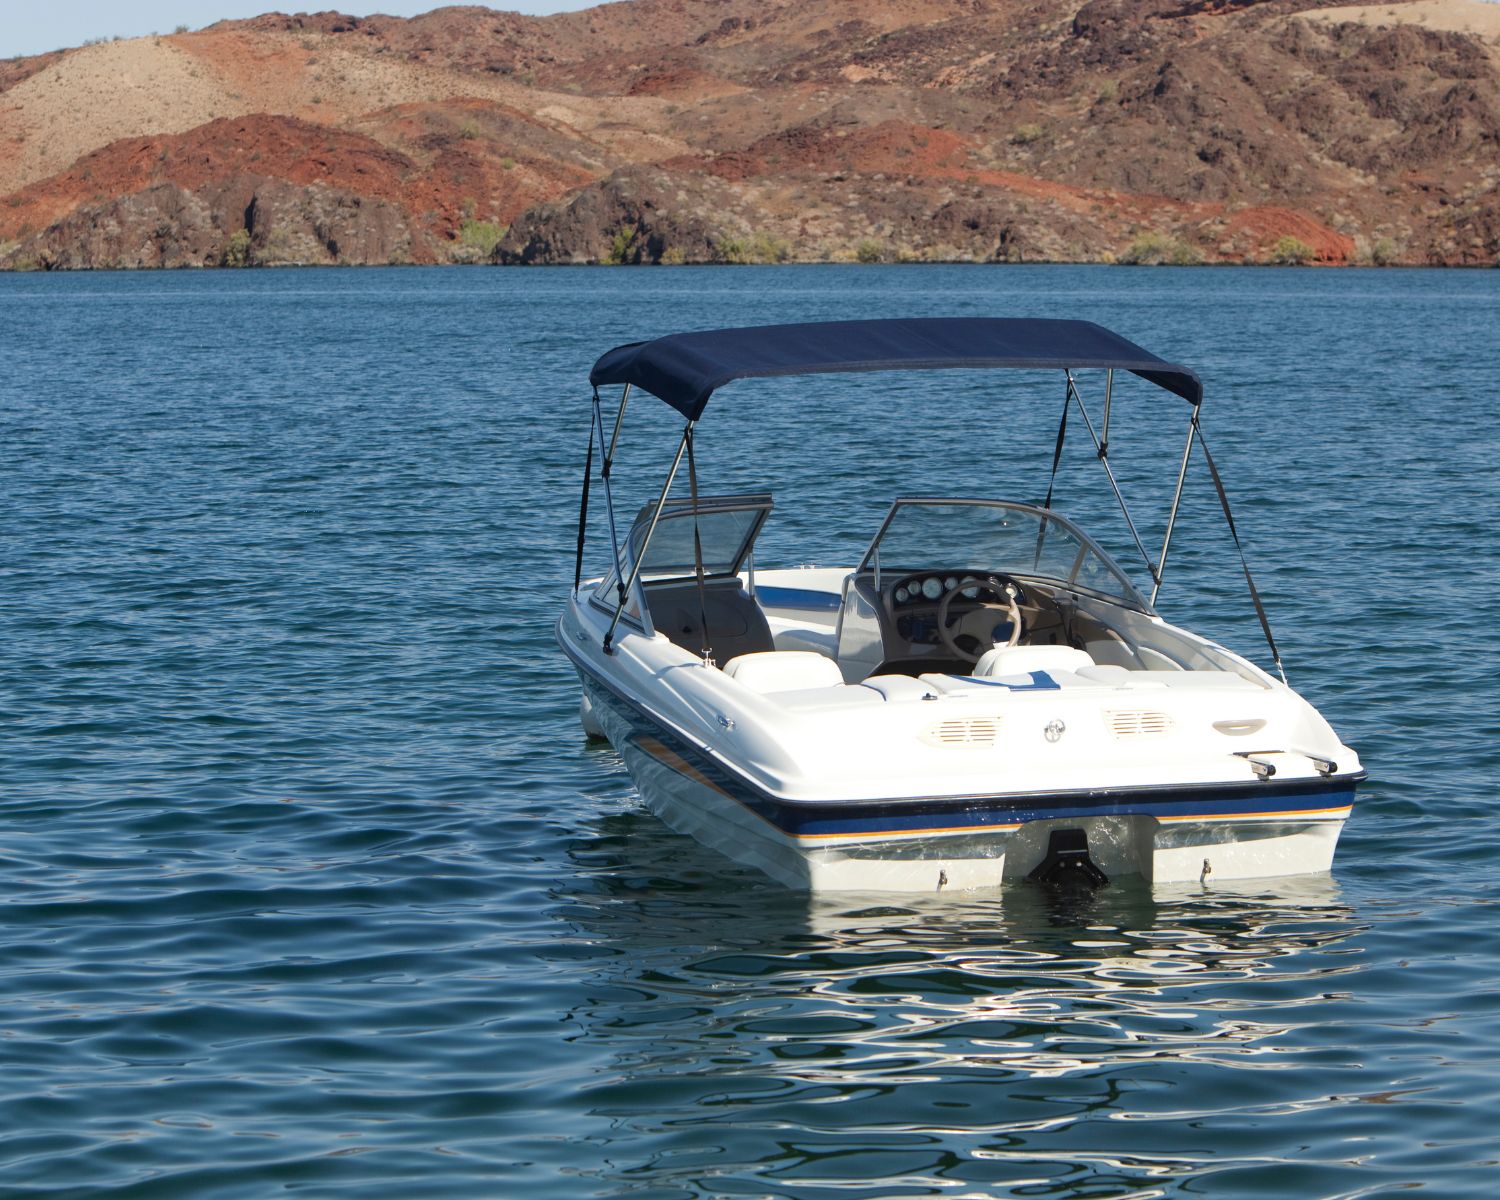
[[1129, 596]]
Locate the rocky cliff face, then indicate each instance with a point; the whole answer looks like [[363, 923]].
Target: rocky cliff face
[[746, 130]]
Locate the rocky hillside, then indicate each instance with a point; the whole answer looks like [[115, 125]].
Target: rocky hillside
[[761, 130]]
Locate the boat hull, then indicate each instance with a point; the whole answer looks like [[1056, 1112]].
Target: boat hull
[[1170, 834]]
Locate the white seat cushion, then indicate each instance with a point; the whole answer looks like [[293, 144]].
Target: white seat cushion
[[784, 671], [897, 687], [1021, 660]]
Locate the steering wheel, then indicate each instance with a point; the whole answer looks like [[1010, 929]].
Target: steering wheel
[[1002, 586]]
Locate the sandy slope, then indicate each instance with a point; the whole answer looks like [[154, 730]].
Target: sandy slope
[[97, 94], [1460, 16]]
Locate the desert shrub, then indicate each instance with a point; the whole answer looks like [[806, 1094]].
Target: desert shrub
[[673, 256], [1291, 251], [482, 236], [1024, 135], [1185, 254], [760, 247], [236, 250], [868, 250], [1384, 252], [622, 247], [1148, 248], [1154, 248], [507, 164], [469, 130]]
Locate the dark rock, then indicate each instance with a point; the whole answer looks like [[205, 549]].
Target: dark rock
[[637, 215]]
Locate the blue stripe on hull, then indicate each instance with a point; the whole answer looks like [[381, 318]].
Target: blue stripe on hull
[[1304, 800]]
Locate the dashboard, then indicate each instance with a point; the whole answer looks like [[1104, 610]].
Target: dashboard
[[913, 600]]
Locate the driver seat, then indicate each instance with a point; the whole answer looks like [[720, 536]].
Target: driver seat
[[1021, 660]]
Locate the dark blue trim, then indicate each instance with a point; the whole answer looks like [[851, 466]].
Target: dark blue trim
[[1040, 682], [903, 814]]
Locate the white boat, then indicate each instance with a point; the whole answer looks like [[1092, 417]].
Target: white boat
[[982, 696]]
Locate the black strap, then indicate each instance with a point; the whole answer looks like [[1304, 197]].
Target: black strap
[[583, 504], [1260, 610], [708, 654], [1062, 432]]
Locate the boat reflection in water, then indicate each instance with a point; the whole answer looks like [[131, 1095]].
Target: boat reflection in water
[[762, 1042]]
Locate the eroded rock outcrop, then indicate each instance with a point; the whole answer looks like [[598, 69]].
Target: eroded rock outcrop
[[733, 130]]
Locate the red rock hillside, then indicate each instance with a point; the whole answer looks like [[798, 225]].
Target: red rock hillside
[[1178, 131]]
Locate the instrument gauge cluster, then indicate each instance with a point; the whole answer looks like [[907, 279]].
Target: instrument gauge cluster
[[930, 589]]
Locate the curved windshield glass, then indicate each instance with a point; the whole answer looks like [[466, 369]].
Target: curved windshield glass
[[990, 536]]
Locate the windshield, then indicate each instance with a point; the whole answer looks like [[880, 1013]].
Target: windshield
[[727, 526], [726, 537], [988, 536]]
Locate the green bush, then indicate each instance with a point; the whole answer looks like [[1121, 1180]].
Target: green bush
[[868, 250], [1291, 251], [1154, 248], [1148, 249], [1185, 254], [756, 248], [236, 250], [622, 247], [1024, 135], [482, 236]]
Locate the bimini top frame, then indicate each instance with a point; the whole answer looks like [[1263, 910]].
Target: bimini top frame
[[684, 369]]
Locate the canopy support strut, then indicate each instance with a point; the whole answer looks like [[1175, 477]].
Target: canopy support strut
[[609, 495], [1260, 609], [640, 555], [708, 651], [1166, 543], [583, 503], [1109, 471]]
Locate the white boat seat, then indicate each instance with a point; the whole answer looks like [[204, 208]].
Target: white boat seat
[[825, 699], [1106, 673], [784, 671], [898, 687], [969, 685], [1022, 660]]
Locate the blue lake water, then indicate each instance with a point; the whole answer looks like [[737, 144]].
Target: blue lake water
[[309, 883]]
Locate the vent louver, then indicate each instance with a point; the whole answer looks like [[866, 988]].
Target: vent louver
[[970, 731], [1134, 723]]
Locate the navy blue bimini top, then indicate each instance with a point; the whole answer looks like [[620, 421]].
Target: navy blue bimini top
[[684, 369]]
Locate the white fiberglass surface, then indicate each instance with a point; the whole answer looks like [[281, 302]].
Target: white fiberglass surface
[[990, 536]]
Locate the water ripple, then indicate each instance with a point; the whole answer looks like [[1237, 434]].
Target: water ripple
[[310, 883]]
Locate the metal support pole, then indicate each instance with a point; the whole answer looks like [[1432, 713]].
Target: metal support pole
[[1187, 452], [640, 556], [609, 501], [619, 420], [1103, 458], [1109, 387]]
